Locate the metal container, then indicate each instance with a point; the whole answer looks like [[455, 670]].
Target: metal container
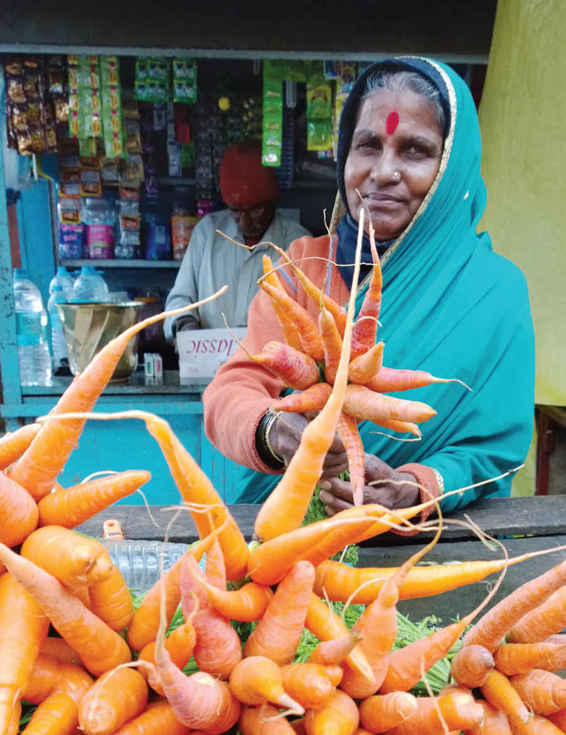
[[89, 326]]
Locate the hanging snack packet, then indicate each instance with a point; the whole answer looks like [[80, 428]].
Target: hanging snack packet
[[272, 134], [152, 79], [112, 117], [185, 81]]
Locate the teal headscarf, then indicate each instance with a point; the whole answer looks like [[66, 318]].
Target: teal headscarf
[[455, 308]]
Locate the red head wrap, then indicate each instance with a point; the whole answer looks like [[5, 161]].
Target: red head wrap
[[244, 182]]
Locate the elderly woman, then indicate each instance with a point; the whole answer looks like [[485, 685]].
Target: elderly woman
[[409, 153]]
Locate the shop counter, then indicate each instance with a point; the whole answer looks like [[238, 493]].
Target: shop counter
[[523, 525], [125, 444]]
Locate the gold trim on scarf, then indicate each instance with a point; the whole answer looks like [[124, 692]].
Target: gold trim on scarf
[[339, 208]]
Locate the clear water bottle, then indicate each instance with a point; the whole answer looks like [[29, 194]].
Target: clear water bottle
[[31, 332], [89, 286], [64, 279], [140, 562], [58, 341]]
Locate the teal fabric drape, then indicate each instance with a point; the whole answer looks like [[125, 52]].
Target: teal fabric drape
[[455, 308]]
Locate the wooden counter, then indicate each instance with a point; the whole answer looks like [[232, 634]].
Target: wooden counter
[[523, 525]]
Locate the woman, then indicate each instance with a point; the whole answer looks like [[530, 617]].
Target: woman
[[409, 151]]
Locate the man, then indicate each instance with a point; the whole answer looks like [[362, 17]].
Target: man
[[249, 191]]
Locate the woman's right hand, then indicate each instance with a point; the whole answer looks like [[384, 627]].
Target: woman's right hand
[[285, 436]]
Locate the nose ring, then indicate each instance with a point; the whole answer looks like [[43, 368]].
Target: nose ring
[[396, 176]]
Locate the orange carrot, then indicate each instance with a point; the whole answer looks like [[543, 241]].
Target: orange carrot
[[246, 604], [499, 692], [15, 443], [316, 294], [158, 717], [218, 648], [18, 511], [264, 720], [327, 625], [308, 684], [332, 344], [56, 715], [72, 506], [38, 468], [46, 676], [196, 488], [381, 712], [378, 627], [24, 628], [257, 679], [393, 380], [294, 368], [505, 614], [290, 330], [60, 650], [180, 644], [116, 697], [365, 328], [76, 561], [333, 651], [309, 337], [454, 711], [366, 365], [74, 681], [341, 581], [547, 618], [494, 721], [542, 691], [99, 647], [537, 725], [145, 621], [111, 601], [285, 508], [311, 399], [13, 727], [339, 716], [366, 404], [278, 632], [471, 665], [520, 658], [349, 435], [269, 562]]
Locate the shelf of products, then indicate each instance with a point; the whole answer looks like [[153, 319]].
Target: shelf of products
[[119, 263]]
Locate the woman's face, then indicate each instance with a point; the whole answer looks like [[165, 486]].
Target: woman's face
[[393, 160]]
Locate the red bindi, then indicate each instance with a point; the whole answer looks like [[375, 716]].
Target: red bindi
[[391, 123]]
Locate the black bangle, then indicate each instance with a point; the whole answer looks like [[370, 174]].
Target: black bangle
[[266, 453]]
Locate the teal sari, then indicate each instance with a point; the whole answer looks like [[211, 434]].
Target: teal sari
[[455, 308]]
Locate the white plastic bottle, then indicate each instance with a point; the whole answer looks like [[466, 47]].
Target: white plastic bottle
[[31, 332], [89, 286], [58, 341], [64, 279]]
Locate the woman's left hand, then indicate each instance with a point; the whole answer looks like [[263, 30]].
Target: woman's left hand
[[394, 489]]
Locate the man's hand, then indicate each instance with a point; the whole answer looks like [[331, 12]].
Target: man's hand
[[391, 489], [285, 436]]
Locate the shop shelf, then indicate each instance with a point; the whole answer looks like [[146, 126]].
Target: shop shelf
[[120, 263]]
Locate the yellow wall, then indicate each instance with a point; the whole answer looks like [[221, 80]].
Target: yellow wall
[[523, 121]]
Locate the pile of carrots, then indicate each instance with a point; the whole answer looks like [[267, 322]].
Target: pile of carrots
[[72, 644]]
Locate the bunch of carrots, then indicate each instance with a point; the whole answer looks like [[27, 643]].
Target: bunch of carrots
[[73, 645]]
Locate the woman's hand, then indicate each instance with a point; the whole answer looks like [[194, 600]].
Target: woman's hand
[[394, 489], [285, 436]]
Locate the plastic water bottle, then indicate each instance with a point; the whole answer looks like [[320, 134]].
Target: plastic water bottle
[[31, 332], [64, 279], [58, 341], [140, 562], [89, 286]]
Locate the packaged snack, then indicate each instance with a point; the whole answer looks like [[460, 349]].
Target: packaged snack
[[98, 217], [185, 80], [71, 240], [272, 137], [152, 79], [112, 116], [182, 225]]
